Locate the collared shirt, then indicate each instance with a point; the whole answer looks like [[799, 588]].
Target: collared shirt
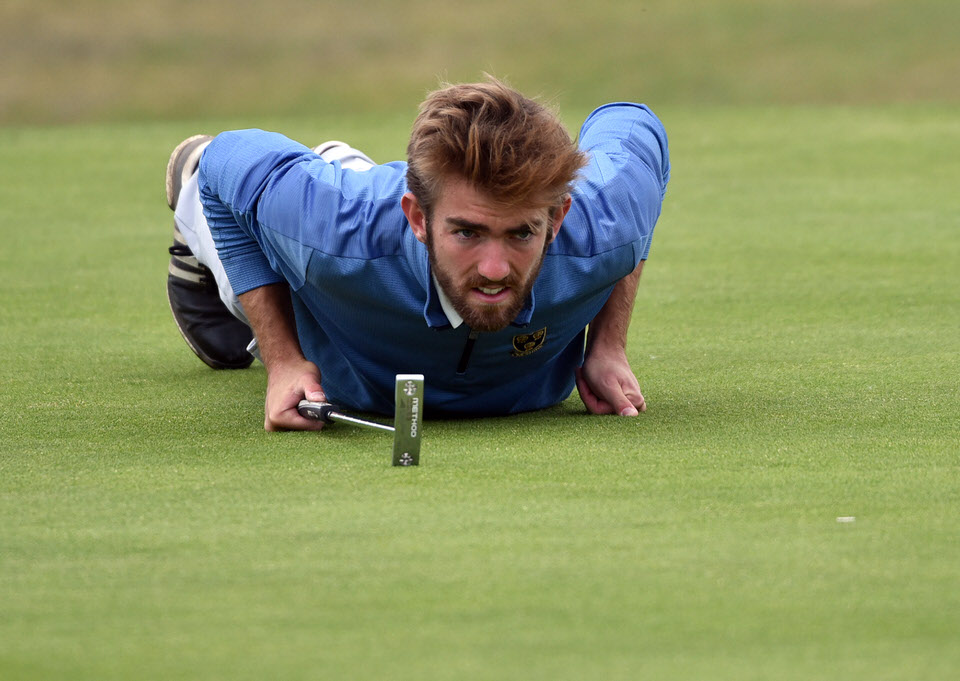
[[366, 302]]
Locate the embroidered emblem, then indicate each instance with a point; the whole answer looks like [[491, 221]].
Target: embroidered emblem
[[528, 343]]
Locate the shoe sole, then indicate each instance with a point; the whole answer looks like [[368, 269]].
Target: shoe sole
[[327, 146], [173, 181]]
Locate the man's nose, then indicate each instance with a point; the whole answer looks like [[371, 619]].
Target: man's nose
[[493, 263]]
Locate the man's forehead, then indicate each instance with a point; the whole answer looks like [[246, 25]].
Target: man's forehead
[[461, 201]]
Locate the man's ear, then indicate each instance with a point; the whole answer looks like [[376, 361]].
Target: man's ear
[[559, 215], [415, 216]]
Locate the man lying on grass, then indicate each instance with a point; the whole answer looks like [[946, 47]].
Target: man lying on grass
[[479, 262]]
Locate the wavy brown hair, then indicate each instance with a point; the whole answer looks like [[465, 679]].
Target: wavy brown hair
[[506, 145]]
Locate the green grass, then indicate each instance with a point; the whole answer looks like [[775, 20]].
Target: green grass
[[797, 335]]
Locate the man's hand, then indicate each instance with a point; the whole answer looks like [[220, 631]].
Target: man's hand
[[606, 381], [290, 376], [287, 384], [607, 385]]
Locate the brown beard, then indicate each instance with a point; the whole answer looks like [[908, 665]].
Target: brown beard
[[496, 317]]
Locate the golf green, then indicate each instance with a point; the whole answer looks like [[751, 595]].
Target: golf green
[[797, 337]]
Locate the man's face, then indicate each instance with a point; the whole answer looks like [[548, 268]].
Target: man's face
[[486, 256]]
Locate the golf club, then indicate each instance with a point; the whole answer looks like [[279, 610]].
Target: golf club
[[406, 426]]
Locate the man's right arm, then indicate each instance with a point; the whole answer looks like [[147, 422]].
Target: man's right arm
[[269, 202], [291, 377], [233, 172]]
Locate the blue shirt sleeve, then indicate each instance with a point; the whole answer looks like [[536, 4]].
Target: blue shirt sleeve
[[271, 203], [234, 171], [620, 193]]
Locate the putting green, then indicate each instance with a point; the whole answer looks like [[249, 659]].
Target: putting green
[[797, 335]]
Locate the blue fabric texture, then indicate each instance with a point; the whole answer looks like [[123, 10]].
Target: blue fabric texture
[[364, 299]]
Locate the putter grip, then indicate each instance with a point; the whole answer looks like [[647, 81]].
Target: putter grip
[[316, 411]]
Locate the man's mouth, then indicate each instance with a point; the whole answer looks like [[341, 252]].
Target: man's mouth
[[491, 295]]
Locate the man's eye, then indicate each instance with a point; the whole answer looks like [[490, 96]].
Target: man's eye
[[465, 233], [524, 235]]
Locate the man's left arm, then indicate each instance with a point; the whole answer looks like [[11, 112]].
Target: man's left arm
[[621, 192], [606, 383]]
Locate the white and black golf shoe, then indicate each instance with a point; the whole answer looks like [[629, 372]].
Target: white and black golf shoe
[[218, 338]]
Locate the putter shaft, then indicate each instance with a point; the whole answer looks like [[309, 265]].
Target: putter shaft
[[373, 425], [326, 412]]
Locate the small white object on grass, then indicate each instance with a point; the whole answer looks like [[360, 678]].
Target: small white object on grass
[[846, 519]]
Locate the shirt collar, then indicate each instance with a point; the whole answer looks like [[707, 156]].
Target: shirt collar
[[452, 315]]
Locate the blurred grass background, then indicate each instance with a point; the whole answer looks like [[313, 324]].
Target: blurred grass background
[[104, 60]]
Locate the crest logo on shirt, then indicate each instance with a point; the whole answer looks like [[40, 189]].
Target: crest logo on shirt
[[528, 343]]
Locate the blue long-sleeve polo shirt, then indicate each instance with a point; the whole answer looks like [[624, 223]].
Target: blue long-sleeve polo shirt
[[364, 298]]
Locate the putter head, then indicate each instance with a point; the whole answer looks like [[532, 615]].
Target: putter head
[[407, 420]]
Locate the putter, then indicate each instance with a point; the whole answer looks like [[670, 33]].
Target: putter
[[406, 426]]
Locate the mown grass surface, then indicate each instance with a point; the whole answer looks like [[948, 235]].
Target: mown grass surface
[[796, 335]]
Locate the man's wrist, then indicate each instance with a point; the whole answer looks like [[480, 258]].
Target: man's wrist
[[610, 348], [607, 333], [271, 315]]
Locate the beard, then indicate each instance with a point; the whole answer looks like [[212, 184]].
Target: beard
[[481, 317]]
